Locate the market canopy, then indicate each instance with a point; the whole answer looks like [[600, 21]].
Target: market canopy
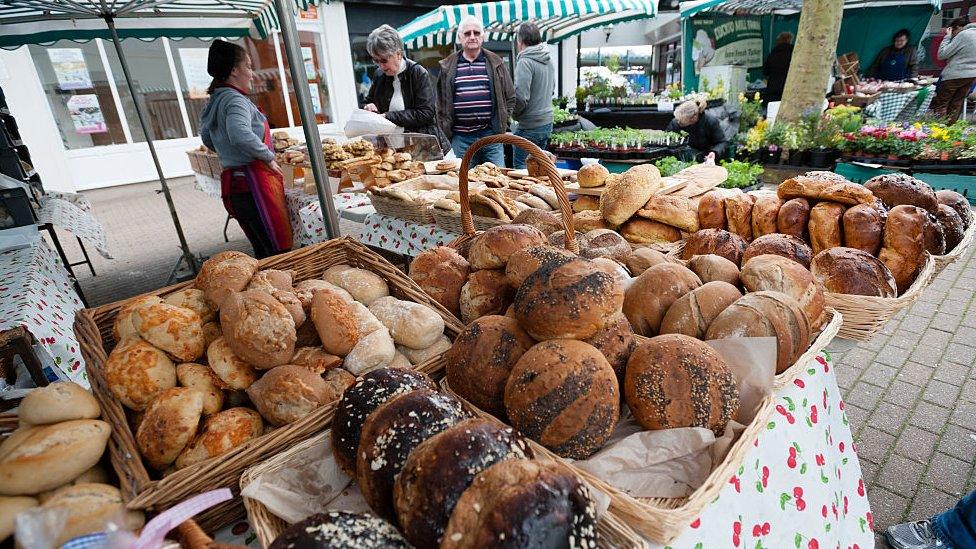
[[557, 19], [762, 7]]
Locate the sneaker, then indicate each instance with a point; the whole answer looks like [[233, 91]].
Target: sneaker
[[912, 535]]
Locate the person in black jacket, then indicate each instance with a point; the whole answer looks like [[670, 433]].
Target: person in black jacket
[[401, 89], [704, 131], [896, 62], [777, 66]]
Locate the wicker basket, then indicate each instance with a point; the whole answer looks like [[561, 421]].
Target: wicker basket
[[943, 261], [663, 519], [612, 531], [213, 168], [93, 328], [418, 212]]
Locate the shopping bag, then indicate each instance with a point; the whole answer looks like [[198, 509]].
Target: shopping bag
[[369, 123]]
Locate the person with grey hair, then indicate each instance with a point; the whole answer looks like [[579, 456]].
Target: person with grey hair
[[704, 131], [475, 95], [401, 89], [535, 83]]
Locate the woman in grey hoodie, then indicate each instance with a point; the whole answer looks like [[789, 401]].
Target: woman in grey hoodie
[[958, 49], [251, 184], [535, 82]]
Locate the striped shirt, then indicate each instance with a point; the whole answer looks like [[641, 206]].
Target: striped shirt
[[472, 95]]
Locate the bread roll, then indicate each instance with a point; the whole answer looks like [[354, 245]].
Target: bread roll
[[952, 226], [587, 220], [89, 507], [221, 433], [194, 300], [545, 221], [366, 322], [586, 203], [374, 350], [854, 272], [258, 329], [136, 372], [693, 312], [738, 213], [933, 237], [652, 293], [231, 370], [826, 226], [410, 324], [306, 289], [615, 342], [364, 286], [441, 272], [863, 228], [783, 245], [360, 400], [569, 300], [206, 382], [211, 331], [644, 231], [223, 274], [492, 248], [315, 359], [123, 327], [486, 293], [35, 459], [625, 195], [175, 330], [592, 175], [676, 381], [419, 356], [779, 274], [399, 361], [715, 241], [643, 259], [288, 393], [168, 426], [895, 189], [556, 383], [765, 213], [526, 503], [671, 210], [825, 186], [526, 261], [903, 245], [339, 529], [711, 210], [558, 239], [391, 432], [765, 314], [478, 364], [605, 243], [10, 507], [441, 468], [711, 267], [269, 280], [793, 218], [57, 402], [957, 202]]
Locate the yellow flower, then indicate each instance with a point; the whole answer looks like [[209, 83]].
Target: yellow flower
[[756, 97], [742, 97]]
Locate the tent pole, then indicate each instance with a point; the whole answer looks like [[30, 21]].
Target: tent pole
[[191, 261], [289, 36]]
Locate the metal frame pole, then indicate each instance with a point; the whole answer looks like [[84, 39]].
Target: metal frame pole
[[191, 261], [289, 37]]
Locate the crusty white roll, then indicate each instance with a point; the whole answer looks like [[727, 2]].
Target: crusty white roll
[[410, 324], [374, 350], [364, 286]]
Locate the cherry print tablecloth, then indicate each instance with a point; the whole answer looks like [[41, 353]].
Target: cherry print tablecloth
[[800, 486], [401, 236], [36, 293], [74, 215]]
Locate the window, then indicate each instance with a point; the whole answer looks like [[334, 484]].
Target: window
[[310, 44], [77, 88]]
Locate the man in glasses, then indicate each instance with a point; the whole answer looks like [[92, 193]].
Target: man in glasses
[[475, 95]]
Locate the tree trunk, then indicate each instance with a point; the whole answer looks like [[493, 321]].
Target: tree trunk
[[813, 58]]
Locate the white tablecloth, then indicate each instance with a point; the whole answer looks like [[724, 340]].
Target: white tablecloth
[[75, 217]]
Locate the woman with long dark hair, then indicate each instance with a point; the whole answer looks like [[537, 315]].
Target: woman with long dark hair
[[251, 184]]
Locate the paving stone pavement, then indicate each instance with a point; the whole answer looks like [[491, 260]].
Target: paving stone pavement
[[910, 392]]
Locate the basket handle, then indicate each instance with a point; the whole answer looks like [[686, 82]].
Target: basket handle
[[467, 222]]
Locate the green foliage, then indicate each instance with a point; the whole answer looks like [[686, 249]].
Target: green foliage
[[670, 165], [741, 174]]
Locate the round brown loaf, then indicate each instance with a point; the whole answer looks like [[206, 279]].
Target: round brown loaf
[[288, 393], [933, 237], [441, 468], [492, 248], [520, 503], [783, 245], [592, 175], [613, 268], [258, 328], [545, 221], [793, 218], [391, 432], [563, 394], [643, 259], [765, 314], [711, 210], [952, 226], [525, 262], [863, 228], [615, 342], [711, 267], [853, 272], [693, 312], [569, 300], [341, 530], [779, 274], [605, 243], [644, 231], [479, 363], [441, 272], [677, 381], [895, 189], [715, 241], [485, 293], [358, 401], [957, 202], [652, 293]]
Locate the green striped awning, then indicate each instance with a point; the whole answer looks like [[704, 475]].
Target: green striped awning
[[557, 19], [761, 7], [47, 21]]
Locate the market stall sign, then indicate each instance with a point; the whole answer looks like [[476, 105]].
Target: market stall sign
[[725, 40]]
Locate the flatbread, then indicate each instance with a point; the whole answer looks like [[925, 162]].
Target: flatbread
[[507, 204], [701, 179], [533, 201], [482, 206]]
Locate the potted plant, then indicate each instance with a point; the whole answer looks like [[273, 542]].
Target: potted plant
[[775, 141], [742, 175]]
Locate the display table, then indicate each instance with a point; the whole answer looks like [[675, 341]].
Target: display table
[[401, 236], [76, 218], [36, 292], [891, 106]]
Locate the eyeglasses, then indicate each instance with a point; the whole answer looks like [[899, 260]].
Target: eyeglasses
[[471, 33]]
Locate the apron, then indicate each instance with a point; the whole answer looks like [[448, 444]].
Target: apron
[[268, 190]]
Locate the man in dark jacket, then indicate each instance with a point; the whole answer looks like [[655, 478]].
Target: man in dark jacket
[[897, 61], [401, 89], [777, 66], [475, 95], [704, 131], [535, 82]]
